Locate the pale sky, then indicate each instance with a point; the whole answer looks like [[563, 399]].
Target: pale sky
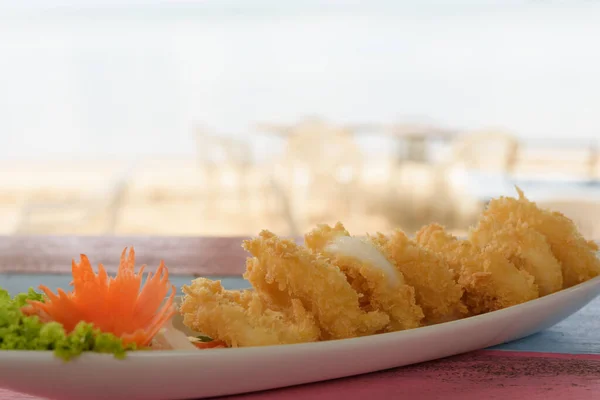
[[91, 82]]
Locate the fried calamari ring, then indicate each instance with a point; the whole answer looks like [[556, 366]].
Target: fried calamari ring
[[436, 289], [523, 246], [491, 282], [380, 285], [281, 271], [577, 256], [241, 318]]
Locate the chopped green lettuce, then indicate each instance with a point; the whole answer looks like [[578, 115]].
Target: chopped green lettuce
[[21, 332]]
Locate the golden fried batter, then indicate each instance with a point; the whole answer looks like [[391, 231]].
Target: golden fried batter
[[436, 290], [523, 246], [317, 239], [282, 271], [577, 255], [491, 282], [379, 284], [240, 318]]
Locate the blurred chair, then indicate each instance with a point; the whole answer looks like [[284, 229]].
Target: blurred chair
[[317, 176], [487, 159], [238, 193], [594, 163], [414, 140], [73, 216], [492, 151], [418, 194], [224, 162], [543, 163]]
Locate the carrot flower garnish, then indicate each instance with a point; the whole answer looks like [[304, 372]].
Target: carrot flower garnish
[[113, 305]]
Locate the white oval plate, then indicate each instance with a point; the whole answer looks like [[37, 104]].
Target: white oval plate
[[170, 375]]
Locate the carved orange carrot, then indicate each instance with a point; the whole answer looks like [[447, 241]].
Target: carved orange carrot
[[114, 305]]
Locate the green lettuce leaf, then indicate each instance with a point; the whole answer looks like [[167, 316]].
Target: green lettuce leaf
[[21, 332]]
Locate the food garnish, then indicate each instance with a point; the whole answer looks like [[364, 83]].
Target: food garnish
[[215, 344], [335, 286], [169, 338], [113, 305], [19, 331]]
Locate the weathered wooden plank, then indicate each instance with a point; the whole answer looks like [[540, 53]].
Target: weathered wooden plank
[[183, 255], [472, 376]]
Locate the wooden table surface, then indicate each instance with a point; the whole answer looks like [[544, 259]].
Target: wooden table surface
[[562, 362], [183, 255]]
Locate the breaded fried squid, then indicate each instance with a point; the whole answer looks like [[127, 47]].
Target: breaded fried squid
[[577, 256], [523, 246], [282, 271], [436, 289], [240, 318], [379, 284], [491, 282]]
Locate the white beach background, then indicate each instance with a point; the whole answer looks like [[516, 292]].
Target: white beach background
[[110, 82]]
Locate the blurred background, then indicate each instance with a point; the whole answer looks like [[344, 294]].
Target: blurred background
[[225, 117]]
